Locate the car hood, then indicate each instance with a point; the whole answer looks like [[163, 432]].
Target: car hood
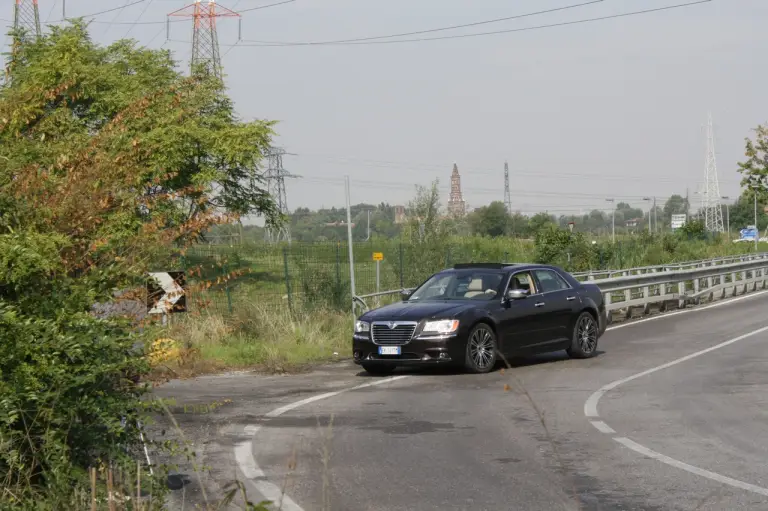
[[415, 311]]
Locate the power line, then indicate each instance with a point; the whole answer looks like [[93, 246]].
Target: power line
[[441, 169], [136, 2], [136, 21], [440, 29], [247, 43]]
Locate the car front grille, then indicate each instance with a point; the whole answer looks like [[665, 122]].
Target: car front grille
[[399, 333]]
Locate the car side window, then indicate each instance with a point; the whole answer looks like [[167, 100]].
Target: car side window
[[523, 280], [550, 281]]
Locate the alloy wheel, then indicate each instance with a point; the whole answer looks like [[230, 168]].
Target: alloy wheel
[[587, 334], [481, 348]]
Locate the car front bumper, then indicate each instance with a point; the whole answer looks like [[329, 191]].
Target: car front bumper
[[432, 350]]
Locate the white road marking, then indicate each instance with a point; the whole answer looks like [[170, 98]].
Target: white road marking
[[590, 406], [590, 410], [690, 468], [252, 471], [602, 427], [247, 462]]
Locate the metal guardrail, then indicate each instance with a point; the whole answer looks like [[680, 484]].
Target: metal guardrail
[[686, 286], [596, 274], [684, 283]]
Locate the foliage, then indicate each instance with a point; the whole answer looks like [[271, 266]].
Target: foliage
[[562, 248], [109, 157], [492, 220], [694, 229], [754, 169]]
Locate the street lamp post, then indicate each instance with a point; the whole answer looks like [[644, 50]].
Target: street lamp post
[[649, 214], [613, 221], [727, 216], [757, 229]]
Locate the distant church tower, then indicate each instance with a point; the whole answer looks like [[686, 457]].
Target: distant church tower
[[456, 205]]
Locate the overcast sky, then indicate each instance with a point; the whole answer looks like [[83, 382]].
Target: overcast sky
[[583, 112]]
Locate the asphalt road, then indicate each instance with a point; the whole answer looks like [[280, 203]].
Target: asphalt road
[[692, 435]]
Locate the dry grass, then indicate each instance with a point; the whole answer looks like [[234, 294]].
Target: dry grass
[[258, 338]]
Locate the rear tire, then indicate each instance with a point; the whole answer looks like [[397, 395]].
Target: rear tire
[[584, 338], [379, 369], [480, 356]]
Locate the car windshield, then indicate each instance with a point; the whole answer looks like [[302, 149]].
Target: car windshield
[[460, 285]]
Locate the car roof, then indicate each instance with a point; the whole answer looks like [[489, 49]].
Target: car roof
[[500, 266]]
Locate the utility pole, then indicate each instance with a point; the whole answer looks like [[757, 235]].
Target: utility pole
[[368, 230], [507, 195], [349, 243], [655, 217], [649, 214], [206, 56], [727, 216], [757, 229], [613, 220]]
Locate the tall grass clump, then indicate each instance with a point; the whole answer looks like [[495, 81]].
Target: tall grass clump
[[259, 337]]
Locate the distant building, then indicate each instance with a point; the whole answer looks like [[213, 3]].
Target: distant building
[[400, 215], [456, 205], [634, 222]]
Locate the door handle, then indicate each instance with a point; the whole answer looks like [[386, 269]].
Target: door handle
[[539, 304], [571, 298]]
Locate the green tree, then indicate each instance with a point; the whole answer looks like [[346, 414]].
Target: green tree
[[425, 222], [754, 170], [539, 221], [675, 205], [492, 220], [109, 157]]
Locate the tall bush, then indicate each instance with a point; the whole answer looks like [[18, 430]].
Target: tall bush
[[107, 157]]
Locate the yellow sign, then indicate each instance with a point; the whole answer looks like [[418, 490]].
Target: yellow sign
[[378, 256]]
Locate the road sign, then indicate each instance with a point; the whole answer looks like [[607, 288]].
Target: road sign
[[678, 221], [166, 292], [378, 256]]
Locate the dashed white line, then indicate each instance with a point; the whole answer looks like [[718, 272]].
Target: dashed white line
[[254, 473]]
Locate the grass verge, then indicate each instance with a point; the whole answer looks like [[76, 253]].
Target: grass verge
[[255, 337]]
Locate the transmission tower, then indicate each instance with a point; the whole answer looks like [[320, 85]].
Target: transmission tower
[[276, 176], [507, 196], [205, 40], [26, 17], [713, 212]]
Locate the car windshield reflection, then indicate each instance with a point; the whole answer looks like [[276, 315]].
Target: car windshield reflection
[[465, 285]]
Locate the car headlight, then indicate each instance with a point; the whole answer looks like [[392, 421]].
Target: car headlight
[[444, 326], [362, 327]]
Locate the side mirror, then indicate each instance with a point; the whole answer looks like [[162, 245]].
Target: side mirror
[[405, 294], [516, 294]]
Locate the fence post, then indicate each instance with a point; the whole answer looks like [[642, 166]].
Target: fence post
[[338, 265], [402, 280], [226, 287], [287, 279]]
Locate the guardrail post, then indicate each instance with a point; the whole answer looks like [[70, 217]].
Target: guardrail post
[[681, 295], [733, 282], [608, 312]]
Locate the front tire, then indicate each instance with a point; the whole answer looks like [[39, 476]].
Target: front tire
[[480, 355], [584, 339], [379, 369]]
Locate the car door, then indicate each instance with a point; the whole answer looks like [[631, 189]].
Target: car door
[[521, 322], [560, 301]]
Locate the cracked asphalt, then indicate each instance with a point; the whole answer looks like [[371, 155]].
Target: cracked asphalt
[[516, 439]]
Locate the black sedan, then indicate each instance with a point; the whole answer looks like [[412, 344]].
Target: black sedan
[[470, 314]]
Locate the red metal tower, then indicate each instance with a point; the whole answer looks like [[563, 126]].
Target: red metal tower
[[206, 56]]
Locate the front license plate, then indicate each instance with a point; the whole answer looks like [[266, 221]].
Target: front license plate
[[389, 350]]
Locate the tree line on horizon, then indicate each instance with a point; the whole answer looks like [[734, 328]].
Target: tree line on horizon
[[492, 220]]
